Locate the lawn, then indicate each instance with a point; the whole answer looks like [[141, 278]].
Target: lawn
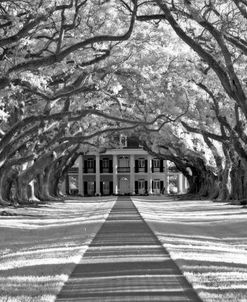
[[40, 246], [207, 240]]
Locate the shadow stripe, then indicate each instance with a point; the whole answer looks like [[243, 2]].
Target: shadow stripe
[[126, 262]]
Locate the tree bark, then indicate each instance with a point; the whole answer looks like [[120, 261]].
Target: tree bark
[[239, 181], [29, 174], [3, 190]]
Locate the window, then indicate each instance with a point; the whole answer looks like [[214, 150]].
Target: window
[[141, 163], [123, 140], [156, 163], [90, 163], [123, 161], [105, 163], [141, 184], [156, 184]]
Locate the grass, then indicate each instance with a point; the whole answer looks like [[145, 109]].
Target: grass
[[40, 246], [207, 240]]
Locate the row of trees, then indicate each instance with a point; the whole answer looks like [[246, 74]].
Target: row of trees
[[74, 72], [214, 31]]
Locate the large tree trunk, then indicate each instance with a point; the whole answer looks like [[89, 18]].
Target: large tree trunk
[[209, 186], [49, 183], [22, 192], [55, 176], [202, 182], [45, 187], [225, 182], [194, 183], [4, 200], [239, 182], [33, 197], [54, 182], [30, 174], [10, 186], [42, 188], [54, 188], [58, 172], [38, 187]]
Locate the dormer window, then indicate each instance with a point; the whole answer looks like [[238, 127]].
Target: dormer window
[[123, 140]]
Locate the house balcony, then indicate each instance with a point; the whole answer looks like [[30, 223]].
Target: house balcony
[[157, 170], [123, 169], [89, 170], [106, 170], [141, 169]]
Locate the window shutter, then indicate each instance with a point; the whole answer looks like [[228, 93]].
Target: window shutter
[[85, 188], [111, 187], [161, 186], [146, 186], [85, 166], [136, 187], [152, 169], [94, 184], [101, 166], [161, 165], [110, 166], [101, 188], [152, 185], [146, 166], [94, 167], [136, 166]]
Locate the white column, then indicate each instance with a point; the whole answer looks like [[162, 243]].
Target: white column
[[150, 174], [183, 184], [63, 189], [115, 184], [166, 179], [80, 176], [97, 176], [132, 174], [186, 183], [180, 183]]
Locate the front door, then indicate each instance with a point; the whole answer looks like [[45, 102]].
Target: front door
[[90, 188], [124, 185], [106, 188]]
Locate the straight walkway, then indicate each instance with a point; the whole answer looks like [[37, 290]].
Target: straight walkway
[[126, 262]]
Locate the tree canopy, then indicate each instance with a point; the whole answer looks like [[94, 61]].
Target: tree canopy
[[73, 72]]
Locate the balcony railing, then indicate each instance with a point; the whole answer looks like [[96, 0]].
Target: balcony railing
[[106, 170], [155, 169], [89, 170], [140, 169], [123, 169]]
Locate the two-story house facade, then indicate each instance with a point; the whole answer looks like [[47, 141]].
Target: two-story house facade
[[125, 170]]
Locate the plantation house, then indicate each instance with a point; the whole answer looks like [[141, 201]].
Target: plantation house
[[127, 170]]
